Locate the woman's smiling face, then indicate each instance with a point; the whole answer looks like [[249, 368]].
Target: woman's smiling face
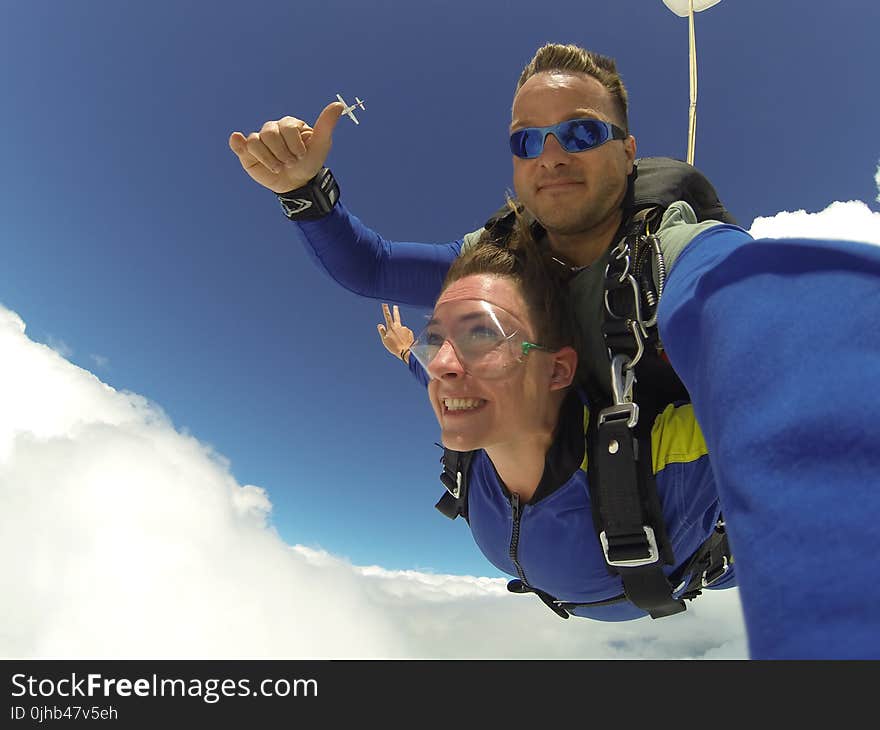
[[509, 405]]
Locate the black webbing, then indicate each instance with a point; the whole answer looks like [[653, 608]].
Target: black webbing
[[625, 503], [454, 477]]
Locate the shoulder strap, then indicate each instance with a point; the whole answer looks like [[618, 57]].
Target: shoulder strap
[[627, 514], [626, 509], [455, 478]]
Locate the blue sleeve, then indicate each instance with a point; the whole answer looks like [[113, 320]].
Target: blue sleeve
[[363, 262], [418, 371], [778, 344]]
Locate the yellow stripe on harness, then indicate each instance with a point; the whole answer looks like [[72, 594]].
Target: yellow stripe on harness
[[676, 437]]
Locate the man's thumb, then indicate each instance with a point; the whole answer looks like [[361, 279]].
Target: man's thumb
[[322, 136]]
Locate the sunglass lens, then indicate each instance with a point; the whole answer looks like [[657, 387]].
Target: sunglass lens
[[581, 134], [527, 143]]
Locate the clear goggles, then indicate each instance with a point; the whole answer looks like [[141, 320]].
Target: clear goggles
[[573, 135], [483, 336]]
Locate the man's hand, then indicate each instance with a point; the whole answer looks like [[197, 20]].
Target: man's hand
[[396, 338], [285, 154]]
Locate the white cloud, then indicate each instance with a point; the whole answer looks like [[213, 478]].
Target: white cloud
[[851, 221], [122, 537], [877, 182], [446, 616]]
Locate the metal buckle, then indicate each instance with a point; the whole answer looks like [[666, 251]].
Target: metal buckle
[[637, 325], [622, 385], [447, 482], [622, 380], [653, 551], [706, 581], [613, 413], [634, 286]]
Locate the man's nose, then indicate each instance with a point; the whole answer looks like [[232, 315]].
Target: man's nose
[[553, 153], [445, 363]]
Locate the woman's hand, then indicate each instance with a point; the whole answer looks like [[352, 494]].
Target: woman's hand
[[395, 336]]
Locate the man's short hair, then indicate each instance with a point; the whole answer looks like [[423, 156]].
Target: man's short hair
[[574, 59]]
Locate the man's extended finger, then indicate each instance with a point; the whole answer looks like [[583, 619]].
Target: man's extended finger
[[387, 314], [396, 315]]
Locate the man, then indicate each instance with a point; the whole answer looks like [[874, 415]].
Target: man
[[576, 197], [579, 195]]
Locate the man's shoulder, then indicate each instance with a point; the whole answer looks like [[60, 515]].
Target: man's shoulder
[[470, 239], [678, 228]]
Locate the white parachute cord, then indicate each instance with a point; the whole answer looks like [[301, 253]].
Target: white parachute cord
[[692, 109]]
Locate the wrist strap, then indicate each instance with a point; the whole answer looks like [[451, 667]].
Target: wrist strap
[[313, 200]]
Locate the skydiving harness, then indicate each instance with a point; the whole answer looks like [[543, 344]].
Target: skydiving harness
[[627, 515]]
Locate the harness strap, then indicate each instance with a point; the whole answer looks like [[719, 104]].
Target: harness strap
[[454, 477], [627, 514], [517, 586], [711, 561], [707, 565]]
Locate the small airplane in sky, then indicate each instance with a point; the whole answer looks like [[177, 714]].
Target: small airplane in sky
[[350, 109]]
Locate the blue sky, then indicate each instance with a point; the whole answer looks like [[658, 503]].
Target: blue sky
[[133, 243]]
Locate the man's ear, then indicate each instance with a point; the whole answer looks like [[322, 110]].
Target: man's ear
[[564, 368], [629, 146]]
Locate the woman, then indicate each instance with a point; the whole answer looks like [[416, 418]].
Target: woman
[[499, 360], [778, 344]]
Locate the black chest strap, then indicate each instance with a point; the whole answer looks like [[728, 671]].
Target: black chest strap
[[626, 508], [454, 477]]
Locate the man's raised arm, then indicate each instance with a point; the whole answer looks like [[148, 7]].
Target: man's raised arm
[[287, 156]]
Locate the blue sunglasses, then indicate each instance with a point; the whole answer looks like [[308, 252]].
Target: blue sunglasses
[[574, 135]]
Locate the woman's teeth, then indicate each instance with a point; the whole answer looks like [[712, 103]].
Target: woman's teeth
[[462, 404]]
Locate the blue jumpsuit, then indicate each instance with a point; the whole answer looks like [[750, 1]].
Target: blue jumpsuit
[[550, 543]]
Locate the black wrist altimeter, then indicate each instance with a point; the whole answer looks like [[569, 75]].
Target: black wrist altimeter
[[313, 200]]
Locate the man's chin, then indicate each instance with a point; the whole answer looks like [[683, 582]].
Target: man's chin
[[563, 226]]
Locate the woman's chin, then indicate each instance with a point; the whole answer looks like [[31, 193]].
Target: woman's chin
[[458, 441]]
